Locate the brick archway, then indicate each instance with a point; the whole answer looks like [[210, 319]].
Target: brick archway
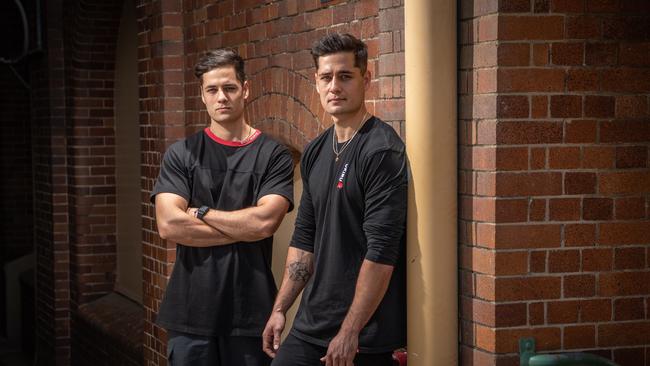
[[285, 105]]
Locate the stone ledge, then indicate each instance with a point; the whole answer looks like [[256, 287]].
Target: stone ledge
[[118, 318]]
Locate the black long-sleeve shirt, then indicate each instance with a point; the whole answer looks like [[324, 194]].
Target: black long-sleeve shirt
[[352, 210]]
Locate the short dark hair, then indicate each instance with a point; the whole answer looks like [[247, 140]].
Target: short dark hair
[[220, 58], [337, 42]]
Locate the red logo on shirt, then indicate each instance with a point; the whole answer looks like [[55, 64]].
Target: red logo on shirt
[[339, 185]]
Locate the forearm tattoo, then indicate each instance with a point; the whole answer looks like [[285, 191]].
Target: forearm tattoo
[[299, 271]]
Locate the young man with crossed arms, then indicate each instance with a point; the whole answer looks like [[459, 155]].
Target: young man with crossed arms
[[221, 194]]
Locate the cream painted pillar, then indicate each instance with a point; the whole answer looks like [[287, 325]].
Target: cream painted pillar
[[431, 143], [281, 240]]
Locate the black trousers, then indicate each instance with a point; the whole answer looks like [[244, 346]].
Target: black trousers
[[185, 349], [296, 352]]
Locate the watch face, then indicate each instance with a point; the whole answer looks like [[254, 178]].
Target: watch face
[[202, 211]]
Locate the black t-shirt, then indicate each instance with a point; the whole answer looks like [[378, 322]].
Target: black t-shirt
[[352, 210], [228, 289]]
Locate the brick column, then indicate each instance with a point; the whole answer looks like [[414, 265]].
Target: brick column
[[555, 180], [51, 196], [92, 33], [73, 153], [161, 67]]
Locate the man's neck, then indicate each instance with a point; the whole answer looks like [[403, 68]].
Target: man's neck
[[236, 131], [346, 126]]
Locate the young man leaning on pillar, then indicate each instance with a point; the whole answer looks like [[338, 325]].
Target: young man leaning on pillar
[[348, 247]]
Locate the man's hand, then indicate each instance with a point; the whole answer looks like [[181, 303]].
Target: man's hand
[[371, 286], [178, 223], [272, 333], [342, 349]]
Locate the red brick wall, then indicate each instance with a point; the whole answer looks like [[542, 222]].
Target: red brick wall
[[90, 148], [554, 112], [50, 195], [555, 181], [91, 36], [74, 193], [389, 98], [275, 38], [161, 80]]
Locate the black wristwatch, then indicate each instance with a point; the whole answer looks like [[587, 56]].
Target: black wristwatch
[[201, 212]]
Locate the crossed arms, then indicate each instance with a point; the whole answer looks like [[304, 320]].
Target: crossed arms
[[176, 221]]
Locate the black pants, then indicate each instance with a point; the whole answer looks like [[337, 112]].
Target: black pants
[[296, 352], [194, 350]]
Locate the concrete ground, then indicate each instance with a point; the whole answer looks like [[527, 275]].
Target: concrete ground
[[10, 356]]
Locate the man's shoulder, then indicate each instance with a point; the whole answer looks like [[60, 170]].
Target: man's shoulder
[[380, 136], [314, 147], [195, 138], [272, 147], [318, 140], [267, 140], [187, 142]]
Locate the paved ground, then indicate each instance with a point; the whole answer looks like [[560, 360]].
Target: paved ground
[[13, 357]]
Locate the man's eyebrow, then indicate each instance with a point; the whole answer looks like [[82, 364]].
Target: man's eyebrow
[[208, 86], [345, 72]]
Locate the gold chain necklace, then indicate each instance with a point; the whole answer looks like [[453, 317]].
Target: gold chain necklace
[[250, 133], [335, 149]]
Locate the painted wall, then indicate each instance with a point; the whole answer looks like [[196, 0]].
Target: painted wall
[[127, 158], [281, 241]]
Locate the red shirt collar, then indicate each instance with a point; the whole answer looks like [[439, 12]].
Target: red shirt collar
[[249, 140]]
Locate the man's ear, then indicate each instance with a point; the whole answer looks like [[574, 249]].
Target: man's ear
[[316, 82], [246, 89], [201, 92], [367, 77]]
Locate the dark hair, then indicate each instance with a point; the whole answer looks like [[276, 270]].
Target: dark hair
[[337, 42], [220, 58]]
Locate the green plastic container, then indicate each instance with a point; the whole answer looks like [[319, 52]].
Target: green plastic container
[[527, 357]]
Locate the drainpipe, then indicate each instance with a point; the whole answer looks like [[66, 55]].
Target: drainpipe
[[431, 143]]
